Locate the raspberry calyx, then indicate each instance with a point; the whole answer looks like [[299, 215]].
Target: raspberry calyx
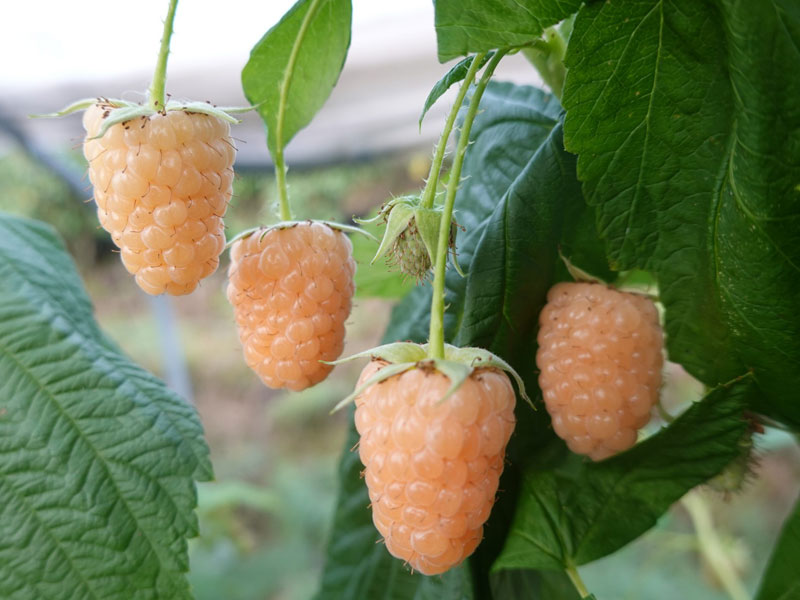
[[411, 236]]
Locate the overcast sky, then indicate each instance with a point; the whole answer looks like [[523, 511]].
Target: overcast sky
[[53, 41]]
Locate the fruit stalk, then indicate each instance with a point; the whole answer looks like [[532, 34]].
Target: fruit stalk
[[436, 336], [429, 193], [157, 91], [280, 162]]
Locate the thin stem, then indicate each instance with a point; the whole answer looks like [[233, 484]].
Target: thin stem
[[429, 193], [436, 336], [157, 91], [711, 547], [280, 161], [576, 580]]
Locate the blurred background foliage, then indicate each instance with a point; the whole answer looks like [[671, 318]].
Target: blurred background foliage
[[265, 519]]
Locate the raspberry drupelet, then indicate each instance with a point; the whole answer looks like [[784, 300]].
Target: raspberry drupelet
[[432, 466], [600, 359], [291, 290], [162, 184]]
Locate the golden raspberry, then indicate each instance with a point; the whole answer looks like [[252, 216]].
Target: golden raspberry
[[433, 466], [291, 292], [162, 185], [600, 364]]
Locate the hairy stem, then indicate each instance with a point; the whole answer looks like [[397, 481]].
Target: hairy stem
[[436, 336], [280, 162], [711, 547], [429, 193], [157, 92]]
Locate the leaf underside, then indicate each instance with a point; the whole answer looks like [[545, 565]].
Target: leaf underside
[[466, 26], [99, 459]]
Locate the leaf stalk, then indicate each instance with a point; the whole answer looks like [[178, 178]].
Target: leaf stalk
[[575, 578], [284, 212]]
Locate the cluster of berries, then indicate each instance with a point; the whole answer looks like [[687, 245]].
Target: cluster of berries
[[162, 184], [433, 455]]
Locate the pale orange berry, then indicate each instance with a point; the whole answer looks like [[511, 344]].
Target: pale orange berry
[[162, 184], [291, 292], [600, 362], [432, 466]]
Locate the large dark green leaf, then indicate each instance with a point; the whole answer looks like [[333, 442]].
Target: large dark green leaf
[[593, 509], [99, 459], [780, 579], [320, 48], [465, 26], [685, 117], [513, 584]]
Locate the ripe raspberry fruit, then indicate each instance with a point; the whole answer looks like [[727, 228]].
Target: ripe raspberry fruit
[[162, 184], [433, 465], [291, 290], [600, 361]]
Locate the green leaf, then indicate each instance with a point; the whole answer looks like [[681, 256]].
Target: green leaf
[[294, 67], [589, 510], [466, 26], [453, 76], [513, 584], [685, 119], [780, 579], [97, 491], [358, 566]]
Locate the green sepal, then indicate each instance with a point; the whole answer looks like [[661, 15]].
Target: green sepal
[[478, 357], [382, 375], [208, 109], [457, 365], [454, 232], [400, 215], [456, 372], [80, 105], [122, 114], [289, 224], [577, 273], [428, 222], [123, 110]]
